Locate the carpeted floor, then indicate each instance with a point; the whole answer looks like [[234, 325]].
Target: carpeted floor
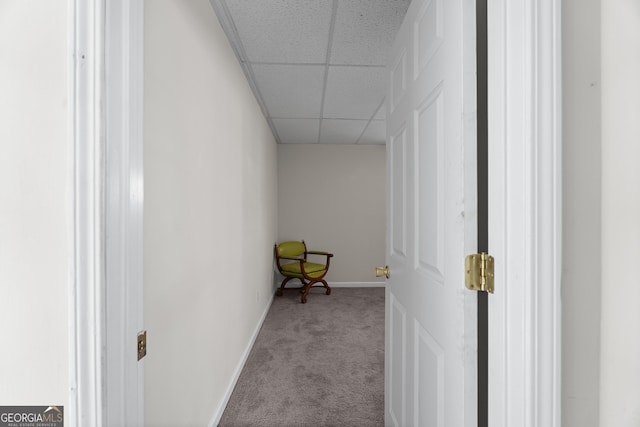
[[315, 364]]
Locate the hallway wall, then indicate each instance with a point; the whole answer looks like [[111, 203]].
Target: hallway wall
[[36, 203], [582, 198], [210, 214], [333, 197], [620, 287], [601, 232]]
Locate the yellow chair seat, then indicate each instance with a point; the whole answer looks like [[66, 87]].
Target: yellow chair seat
[[312, 269]]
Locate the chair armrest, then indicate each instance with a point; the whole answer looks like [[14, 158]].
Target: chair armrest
[[320, 253]]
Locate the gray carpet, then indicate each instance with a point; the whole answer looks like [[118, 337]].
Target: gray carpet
[[315, 364]]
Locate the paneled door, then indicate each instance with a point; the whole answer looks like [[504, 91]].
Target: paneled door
[[431, 337]]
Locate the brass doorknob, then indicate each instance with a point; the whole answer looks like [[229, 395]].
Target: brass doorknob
[[383, 271]]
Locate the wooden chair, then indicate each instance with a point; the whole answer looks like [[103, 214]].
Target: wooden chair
[[291, 259]]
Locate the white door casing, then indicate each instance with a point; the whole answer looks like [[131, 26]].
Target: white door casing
[[106, 380], [524, 124], [86, 370], [431, 340]]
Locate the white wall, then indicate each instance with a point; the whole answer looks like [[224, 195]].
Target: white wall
[[581, 226], [601, 231], [210, 214], [35, 203], [620, 349], [333, 198]]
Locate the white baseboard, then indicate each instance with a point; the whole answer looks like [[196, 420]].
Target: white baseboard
[[217, 415], [345, 284], [358, 284]]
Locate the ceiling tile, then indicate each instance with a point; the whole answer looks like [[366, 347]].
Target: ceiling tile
[[282, 31], [290, 91], [365, 30], [297, 131], [374, 133], [283, 47], [354, 92], [341, 131]]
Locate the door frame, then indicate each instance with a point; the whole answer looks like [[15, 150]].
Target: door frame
[[86, 41], [106, 383], [524, 105], [524, 216]]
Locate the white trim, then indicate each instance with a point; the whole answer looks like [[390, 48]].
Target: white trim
[[524, 212], [86, 295], [107, 193], [219, 411], [358, 284], [342, 284]]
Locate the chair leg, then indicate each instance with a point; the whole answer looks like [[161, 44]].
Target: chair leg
[[326, 285], [308, 287], [305, 292], [280, 290]]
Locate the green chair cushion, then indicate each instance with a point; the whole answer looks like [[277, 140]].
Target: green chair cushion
[[291, 249], [311, 268]]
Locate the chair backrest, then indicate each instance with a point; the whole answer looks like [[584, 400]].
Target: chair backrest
[[291, 249]]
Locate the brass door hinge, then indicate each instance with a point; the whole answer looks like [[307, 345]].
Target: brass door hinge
[[479, 272], [142, 344]]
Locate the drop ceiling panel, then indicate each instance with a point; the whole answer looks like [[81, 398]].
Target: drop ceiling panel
[[365, 30], [290, 91], [374, 133], [335, 131], [304, 90], [353, 92], [282, 31], [297, 131]]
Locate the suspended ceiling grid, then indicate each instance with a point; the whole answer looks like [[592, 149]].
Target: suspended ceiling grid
[[316, 67]]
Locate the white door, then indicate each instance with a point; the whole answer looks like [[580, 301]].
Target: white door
[[430, 348]]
